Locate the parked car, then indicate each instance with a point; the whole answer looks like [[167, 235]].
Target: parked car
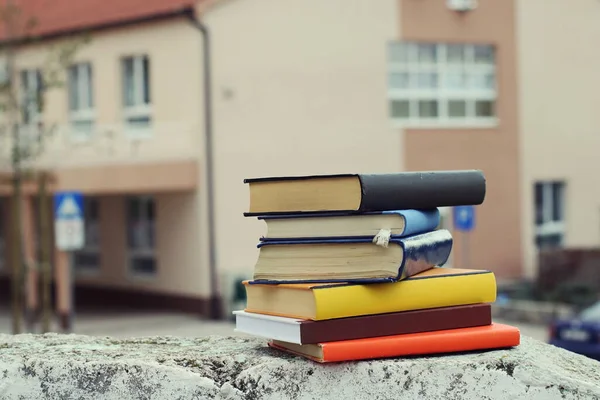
[[580, 334]]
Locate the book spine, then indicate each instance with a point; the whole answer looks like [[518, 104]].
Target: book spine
[[418, 221], [422, 190], [425, 251]]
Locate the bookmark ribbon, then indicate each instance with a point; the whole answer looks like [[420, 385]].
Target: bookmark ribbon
[[383, 237]]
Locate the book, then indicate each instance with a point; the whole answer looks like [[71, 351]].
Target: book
[[436, 287], [364, 192], [494, 336], [400, 223], [350, 260], [299, 331]]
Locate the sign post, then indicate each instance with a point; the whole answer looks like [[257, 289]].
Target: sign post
[[464, 220], [69, 234]]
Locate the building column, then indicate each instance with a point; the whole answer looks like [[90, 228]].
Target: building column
[[63, 291], [32, 301]]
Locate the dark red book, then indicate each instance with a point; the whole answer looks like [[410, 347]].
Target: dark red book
[[300, 331]]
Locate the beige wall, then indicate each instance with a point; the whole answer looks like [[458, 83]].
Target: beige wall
[[560, 121], [179, 271], [174, 50], [300, 88], [167, 164]]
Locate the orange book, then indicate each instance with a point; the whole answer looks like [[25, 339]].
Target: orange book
[[487, 337]]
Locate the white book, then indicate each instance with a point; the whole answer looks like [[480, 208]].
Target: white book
[[269, 326]]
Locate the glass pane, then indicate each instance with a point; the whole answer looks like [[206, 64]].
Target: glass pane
[[483, 54], [139, 235], [73, 92], [133, 209], [143, 265], [557, 201], [549, 241], [457, 108], [24, 81], [539, 203], [399, 109], [146, 80], [83, 127], [428, 108], [456, 80], [150, 207], [427, 80], [90, 86], [92, 234], [483, 81], [591, 313], [455, 53], [39, 85], [427, 53], [91, 209], [484, 108], [128, 83], [86, 259], [398, 52], [139, 122], [398, 80]]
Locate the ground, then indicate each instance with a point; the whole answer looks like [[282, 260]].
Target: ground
[[122, 325]]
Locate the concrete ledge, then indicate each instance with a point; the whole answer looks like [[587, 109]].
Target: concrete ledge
[[79, 367]]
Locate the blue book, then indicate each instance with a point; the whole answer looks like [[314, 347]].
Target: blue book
[[358, 260], [400, 223]]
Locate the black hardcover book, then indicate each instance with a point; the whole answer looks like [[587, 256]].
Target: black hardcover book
[[358, 193]]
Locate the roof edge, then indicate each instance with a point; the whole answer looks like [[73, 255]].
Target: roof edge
[[181, 12]]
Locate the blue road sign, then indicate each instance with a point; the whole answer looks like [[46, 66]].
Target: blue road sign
[[464, 218], [69, 220]]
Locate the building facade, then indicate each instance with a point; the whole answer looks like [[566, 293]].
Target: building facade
[[308, 88]]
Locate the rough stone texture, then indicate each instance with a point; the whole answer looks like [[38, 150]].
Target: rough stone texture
[[80, 367]]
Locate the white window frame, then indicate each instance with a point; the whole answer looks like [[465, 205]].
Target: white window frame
[[442, 93], [89, 248], [447, 223], [140, 109], [549, 227], [83, 112], [149, 251]]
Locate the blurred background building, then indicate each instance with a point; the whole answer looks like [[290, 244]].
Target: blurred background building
[[311, 87]]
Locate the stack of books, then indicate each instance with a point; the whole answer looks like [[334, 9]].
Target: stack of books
[[351, 268]]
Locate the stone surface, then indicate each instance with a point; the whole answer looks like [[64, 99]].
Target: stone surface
[[80, 367]]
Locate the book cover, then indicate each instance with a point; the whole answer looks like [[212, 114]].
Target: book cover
[[488, 337], [301, 331], [420, 253], [415, 222]]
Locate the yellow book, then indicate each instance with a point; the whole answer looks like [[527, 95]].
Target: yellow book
[[436, 287]]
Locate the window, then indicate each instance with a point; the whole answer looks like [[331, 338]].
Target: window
[[441, 84], [81, 100], [32, 90], [136, 94], [549, 214], [141, 217], [446, 223], [87, 259]]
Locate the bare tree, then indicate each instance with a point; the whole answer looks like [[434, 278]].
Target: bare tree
[[23, 138]]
